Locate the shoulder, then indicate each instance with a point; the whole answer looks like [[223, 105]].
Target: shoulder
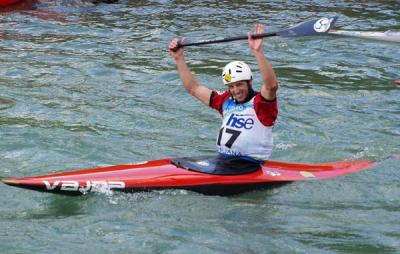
[[218, 99], [266, 110]]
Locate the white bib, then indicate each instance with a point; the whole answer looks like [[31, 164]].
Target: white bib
[[242, 133]]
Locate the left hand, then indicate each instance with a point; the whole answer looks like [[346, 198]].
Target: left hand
[[175, 52], [256, 44]]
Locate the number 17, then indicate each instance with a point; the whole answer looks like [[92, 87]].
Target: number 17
[[234, 135]]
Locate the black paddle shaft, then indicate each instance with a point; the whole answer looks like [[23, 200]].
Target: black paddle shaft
[[229, 39], [307, 28]]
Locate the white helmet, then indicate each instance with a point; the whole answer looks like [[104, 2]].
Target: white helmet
[[236, 71]]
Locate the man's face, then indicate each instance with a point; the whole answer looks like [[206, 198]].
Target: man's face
[[239, 90]]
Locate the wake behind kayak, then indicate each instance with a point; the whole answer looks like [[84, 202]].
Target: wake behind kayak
[[199, 174]]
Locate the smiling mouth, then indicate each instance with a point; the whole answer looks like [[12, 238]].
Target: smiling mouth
[[239, 97]]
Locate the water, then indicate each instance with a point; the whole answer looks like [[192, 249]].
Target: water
[[84, 86]]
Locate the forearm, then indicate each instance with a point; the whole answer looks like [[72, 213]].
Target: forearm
[[266, 70], [188, 79], [190, 83], [270, 83]]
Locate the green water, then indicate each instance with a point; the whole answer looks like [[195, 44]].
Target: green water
[[94, 85]]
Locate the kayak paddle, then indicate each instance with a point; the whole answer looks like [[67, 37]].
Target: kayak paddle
[[307, 28]]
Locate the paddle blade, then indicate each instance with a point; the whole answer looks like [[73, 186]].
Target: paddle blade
[[381, 36], [310, 27]]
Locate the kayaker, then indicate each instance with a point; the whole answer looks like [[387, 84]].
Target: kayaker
[[248, 116]]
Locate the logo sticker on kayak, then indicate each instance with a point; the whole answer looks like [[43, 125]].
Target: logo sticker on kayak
[[271, 173], [322, 25], [307, 174], [88, 186]]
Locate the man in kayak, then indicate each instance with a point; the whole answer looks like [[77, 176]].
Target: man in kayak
[[248, 116]]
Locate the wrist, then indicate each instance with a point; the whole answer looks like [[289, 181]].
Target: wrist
[[179, 57], [258, 52]]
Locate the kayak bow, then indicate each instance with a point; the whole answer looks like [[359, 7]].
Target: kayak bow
[[194, 174]]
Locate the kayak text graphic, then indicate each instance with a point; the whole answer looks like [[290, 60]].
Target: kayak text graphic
[[88, 186]]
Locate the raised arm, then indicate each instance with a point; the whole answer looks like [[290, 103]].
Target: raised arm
[[270, 83], [188, 79]]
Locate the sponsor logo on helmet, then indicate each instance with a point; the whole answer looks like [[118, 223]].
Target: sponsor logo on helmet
[[228, 77]]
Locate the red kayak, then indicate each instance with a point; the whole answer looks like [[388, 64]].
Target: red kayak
[[4, 3], [207, 175], [16, 5]]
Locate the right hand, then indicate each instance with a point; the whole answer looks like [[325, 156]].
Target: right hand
[[177, 54]]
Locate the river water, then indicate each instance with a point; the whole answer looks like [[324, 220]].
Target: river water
[[85, 86]]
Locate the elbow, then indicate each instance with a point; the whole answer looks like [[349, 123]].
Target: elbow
[[191, 90], [269, 90], [271, 85], [275, 86]]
